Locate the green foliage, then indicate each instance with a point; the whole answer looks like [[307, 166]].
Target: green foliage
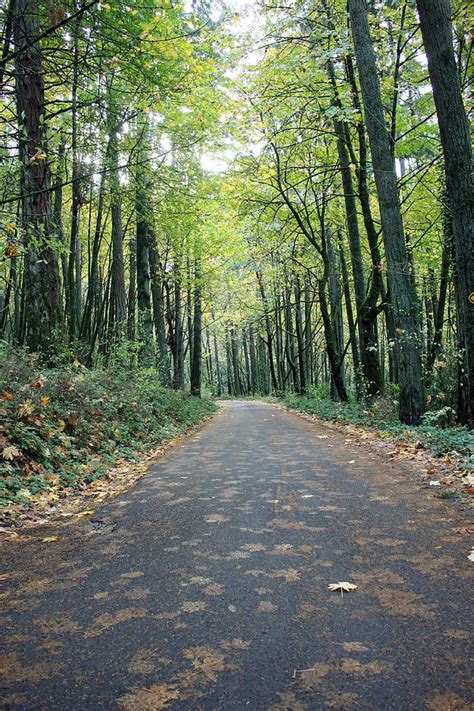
[[383, 418], [65, 427]]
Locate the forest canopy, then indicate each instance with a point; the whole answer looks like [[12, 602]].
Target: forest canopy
[[243, 198]]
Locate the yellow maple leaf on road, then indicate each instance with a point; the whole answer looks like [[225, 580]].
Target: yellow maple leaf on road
[[342, 586]]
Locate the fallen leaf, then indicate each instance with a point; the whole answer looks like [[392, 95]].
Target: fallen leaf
[[10, 453], [216, 518], [49, 539], [158, 696], [471, 555], [26, 408], [464, 529], [342, 586], [39, 382]]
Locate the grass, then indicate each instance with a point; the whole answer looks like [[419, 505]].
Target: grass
[[64, 428]]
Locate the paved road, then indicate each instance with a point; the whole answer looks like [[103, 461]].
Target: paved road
[[205, 586]]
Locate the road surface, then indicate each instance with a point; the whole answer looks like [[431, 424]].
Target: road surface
[[205, 586]]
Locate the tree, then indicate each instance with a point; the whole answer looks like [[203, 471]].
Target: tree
[[197, 334], [41, 288], [403, 297], [457, 150]]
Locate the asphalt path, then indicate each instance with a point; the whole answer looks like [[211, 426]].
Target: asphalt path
[[205, 586]]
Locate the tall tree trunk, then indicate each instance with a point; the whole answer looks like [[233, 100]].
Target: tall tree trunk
[[404, 301], [178, 349], [235, 362], [189, 308], [218, 366], [132, 291], [7, 36], [118, 294], [436, 30], [308, 346], [351, 324], [57, 212], [145, 237], [228, 358], [92, 296], [197, 333], [441, 301], [253, 361], [331, 345], [158, 309], [365, 307], [377, 287], [335, 301], [209, 363], [279, 352], [268, 333], [299, 337], [74, 275], [248, 388], [290, 338], [41, 312]]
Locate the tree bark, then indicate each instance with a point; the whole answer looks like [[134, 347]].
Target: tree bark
[[132, 291], [197, 334], [403, 299], [158, 309], [118, 293], [299, 337], [436, 30], [41, 309], [145, 237], [366, 312]]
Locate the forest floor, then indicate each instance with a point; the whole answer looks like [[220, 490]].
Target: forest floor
[[205, 586]]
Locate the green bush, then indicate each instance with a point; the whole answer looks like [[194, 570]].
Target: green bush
[[68, 425], [382, 417]]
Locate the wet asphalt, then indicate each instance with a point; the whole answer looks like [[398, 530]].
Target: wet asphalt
[[205, 586]]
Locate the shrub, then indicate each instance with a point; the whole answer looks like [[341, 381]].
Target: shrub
[[66, 426]]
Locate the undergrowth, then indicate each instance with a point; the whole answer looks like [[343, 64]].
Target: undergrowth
[[382, 417], [64, 428]]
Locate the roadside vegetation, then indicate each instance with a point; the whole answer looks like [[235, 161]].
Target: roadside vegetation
[[63, 428], [436, 433]]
